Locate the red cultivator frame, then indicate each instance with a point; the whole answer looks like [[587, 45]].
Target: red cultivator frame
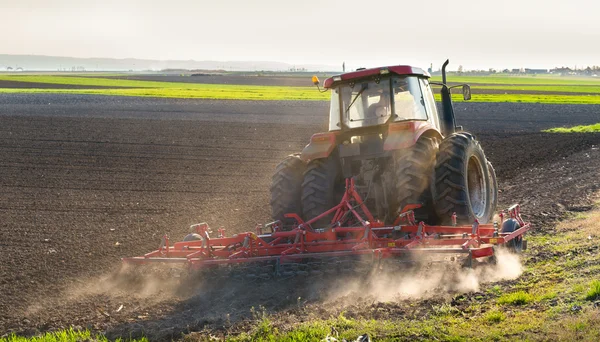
[[353, 232]]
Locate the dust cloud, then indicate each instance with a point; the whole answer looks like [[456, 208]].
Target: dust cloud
[[139, 289], [426, 280], [126, 284], [430, 280], [160, 282]]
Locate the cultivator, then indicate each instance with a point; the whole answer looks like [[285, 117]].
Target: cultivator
[[354, 240]]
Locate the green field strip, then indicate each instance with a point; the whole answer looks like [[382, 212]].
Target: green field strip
[[527, 83], [595, 128], [504, 83], [122, 87], [542, 88], [216, 93], [228, 92], [521, 80]]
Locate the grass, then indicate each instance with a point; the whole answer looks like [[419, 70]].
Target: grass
[[516, 298], [524, 89], [595, 128], [521, 80], [199, 91], [241, 92], [507, 84], [68, 335], [494, 325], [494, 316], [558, 83], [594, 291], [121, 87], [545, 88]]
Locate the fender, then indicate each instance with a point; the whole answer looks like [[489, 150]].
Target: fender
[[406, 134], [320, 146]]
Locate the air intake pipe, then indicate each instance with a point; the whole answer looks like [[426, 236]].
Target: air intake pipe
[[448, 121]]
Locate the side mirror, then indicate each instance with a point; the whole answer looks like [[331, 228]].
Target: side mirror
[[315, 80], [466, 90]]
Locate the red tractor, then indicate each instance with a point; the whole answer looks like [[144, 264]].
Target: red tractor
[[386, 133], [392, 180]]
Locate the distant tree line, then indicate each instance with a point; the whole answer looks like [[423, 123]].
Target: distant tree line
[[563, 71]]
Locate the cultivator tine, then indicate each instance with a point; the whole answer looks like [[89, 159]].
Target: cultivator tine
[[475, 228], [407, 215], [274, 226], [420, 229], [515, 213]]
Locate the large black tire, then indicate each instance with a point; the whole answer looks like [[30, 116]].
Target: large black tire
[[412, 169], [462, 182], [322, 189], [286, 188]]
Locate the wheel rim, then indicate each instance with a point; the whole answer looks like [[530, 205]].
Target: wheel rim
[[476, 187]]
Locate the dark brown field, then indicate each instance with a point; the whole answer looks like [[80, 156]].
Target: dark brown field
[[86, 180]]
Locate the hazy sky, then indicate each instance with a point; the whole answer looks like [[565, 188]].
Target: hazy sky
[[474, 33]]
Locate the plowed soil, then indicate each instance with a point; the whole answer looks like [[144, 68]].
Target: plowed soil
[[86, 180]]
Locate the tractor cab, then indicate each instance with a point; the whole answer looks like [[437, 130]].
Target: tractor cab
[[380, 96], [380, 101]]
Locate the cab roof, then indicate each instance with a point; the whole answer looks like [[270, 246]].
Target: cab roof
[[395, 69]]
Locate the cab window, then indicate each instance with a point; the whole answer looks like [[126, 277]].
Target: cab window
[[408, 99]]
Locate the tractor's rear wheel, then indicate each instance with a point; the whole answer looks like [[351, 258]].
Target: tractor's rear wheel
[[322, 189], [286, 188], [462, 181], [412, 170]]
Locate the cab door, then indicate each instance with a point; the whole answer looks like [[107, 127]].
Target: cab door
[[430, 105]]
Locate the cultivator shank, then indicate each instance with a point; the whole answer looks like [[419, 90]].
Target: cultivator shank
[[353, 239]]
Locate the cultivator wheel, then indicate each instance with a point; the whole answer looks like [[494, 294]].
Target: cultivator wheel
[[192, 237], [412, 169], [515, 245], [463, 184], [286, 188]]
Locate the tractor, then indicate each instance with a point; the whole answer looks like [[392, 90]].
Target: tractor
[[391, 181], [403, 153]]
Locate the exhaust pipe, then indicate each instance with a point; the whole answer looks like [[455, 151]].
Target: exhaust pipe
[[448, 120], [444, 70]]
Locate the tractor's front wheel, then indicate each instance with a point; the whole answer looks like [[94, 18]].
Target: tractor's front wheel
[[462, 181], [322, 189]]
